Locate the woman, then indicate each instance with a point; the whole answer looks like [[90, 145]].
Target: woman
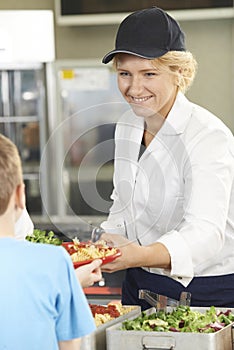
[[172, 214]]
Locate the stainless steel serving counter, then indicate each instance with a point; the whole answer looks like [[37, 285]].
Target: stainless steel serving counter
[[116, 338]]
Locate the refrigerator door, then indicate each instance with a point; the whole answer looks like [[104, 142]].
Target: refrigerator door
[[27, 51], [22, 119]]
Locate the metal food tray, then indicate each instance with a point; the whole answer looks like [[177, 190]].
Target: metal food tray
[[142, 340], [97, 340]]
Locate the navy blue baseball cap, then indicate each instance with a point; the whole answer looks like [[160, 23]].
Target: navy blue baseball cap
[[148, 33]]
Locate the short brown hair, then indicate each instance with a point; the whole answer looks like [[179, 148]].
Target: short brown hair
[[10, 171]]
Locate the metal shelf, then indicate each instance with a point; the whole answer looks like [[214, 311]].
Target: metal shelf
[[116, 18], [19, 119]]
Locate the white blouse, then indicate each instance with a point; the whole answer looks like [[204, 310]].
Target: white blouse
[[180, 192]]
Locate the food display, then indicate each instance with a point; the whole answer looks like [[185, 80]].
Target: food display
[[106, 313], [84, 252], [181, 319], [177, 328], [40, 236], [105, 317]]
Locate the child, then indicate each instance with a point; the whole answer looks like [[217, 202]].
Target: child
[[42, 305]]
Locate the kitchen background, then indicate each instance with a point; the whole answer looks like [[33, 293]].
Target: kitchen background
[[75, 90]]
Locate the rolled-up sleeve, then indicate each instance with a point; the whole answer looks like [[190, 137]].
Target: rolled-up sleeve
[[115, 222]]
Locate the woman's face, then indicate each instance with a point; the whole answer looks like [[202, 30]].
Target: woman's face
[[148, 90]]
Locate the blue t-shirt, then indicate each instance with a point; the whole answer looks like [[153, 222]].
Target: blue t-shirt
[[41, 301]]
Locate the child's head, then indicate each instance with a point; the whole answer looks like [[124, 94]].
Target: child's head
[[10, 171]]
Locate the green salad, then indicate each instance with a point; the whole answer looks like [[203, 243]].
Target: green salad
[[181, 319], [40, 236]]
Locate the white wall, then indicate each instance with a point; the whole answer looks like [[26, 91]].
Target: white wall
[[212, 44]]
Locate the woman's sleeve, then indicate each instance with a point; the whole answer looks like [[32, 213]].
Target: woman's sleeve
[[115, 221], [208, 178]]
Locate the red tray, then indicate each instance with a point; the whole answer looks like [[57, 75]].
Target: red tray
[[69, 246]]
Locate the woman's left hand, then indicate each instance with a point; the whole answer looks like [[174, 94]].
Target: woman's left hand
[[135, 255]]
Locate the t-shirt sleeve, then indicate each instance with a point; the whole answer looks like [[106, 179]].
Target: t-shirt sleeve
[[75, 319]]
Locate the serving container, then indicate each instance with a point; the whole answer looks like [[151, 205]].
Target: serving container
[[97, 340], [142, 340]]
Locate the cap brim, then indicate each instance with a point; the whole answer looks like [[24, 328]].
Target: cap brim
[[110, 55]]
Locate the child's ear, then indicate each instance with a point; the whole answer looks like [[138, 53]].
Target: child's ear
[[20, 196]]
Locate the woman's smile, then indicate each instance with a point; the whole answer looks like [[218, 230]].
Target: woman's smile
[[140, 99], [143, 85]]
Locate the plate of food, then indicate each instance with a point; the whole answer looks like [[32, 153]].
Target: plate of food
[[83, 253]]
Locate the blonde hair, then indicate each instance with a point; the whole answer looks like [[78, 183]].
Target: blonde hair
[[181, 64], [10, 171]]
